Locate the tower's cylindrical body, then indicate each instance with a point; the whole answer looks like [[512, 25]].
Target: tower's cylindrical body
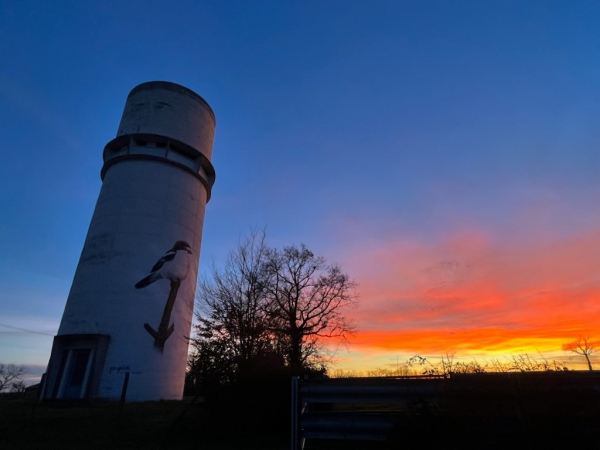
[[130, 307]]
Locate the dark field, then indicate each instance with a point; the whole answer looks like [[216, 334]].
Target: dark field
[[533, 411], [152, 425], [155, 426]]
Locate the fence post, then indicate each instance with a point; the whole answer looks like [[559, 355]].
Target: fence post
[[123, 395], [295, 418]]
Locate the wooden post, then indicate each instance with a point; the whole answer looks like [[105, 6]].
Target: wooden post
[[295, 411], [124, 391]]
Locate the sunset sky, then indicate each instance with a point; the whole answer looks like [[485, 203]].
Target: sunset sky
[[446, 154]]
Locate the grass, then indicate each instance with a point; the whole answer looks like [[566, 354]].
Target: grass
[[149, 425], [480, 412]]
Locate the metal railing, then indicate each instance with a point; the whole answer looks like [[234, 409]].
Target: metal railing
[[368, 409], [375, 424]]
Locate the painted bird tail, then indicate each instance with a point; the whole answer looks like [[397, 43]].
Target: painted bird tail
[[148, 280]]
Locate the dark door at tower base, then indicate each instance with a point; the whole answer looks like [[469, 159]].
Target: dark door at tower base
[[76, 373]]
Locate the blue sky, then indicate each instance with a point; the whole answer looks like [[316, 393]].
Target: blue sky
[[347, 125]]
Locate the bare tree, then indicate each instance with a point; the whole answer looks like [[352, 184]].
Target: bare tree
[[10, 374], [266, 307], [583, 346], [230, 306], [18, 386], [307, 298]]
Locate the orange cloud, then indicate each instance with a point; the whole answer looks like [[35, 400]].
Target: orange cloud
[[473, 294]]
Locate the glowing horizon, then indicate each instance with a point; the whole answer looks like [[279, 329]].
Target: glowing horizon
[[476, 295]]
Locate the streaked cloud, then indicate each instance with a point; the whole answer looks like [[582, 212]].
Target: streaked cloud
[[473, 294]]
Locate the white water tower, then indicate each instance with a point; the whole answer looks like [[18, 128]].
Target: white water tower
[[130, 307]]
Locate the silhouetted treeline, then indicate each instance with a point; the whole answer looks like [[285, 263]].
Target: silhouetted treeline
[[447, 364]]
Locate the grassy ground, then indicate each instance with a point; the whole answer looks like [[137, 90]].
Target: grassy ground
[[252, 419], [151, 426]]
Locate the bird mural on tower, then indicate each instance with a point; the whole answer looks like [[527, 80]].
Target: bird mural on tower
[[173, 266]]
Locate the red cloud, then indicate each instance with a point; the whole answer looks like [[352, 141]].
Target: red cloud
[[474, 294]]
